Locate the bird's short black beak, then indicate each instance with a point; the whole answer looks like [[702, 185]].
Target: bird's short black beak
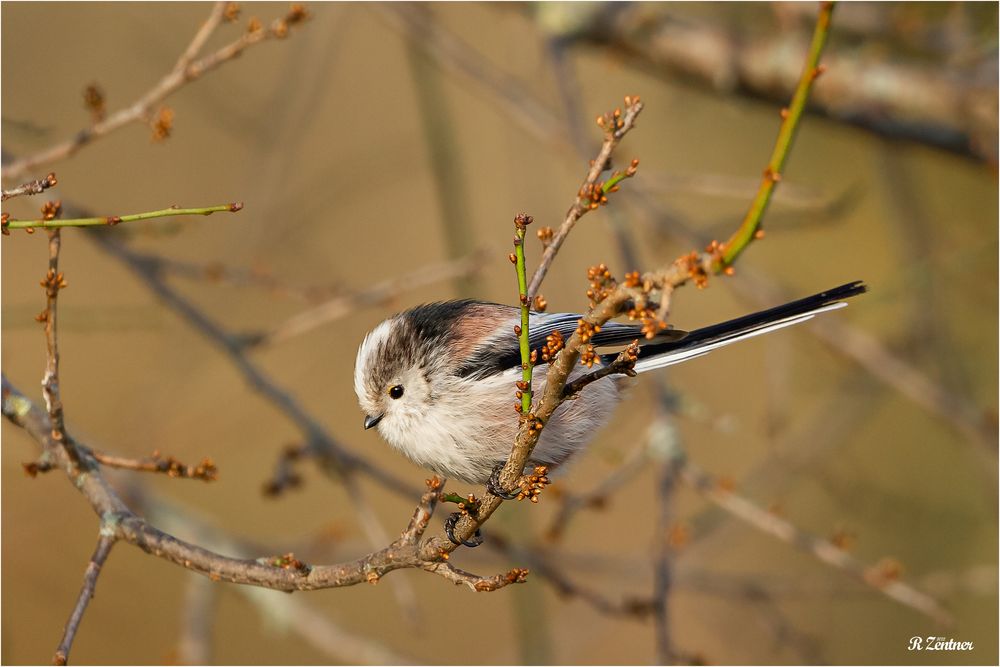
[[372, 421]]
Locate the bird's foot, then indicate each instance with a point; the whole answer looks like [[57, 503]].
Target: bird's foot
[[493, 484], [449, 530], [530, 486]]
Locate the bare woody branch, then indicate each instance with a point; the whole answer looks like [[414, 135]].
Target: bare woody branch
[[291, 612], [336, 461], [121, 523], [156, 463], [101, 552], [592, 193], [186, 70], [52, 283], [624, 364], [34, 187]]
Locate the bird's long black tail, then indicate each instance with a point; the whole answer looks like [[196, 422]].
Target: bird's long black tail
[[703, 341]]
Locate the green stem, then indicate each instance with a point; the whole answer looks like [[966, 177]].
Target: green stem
[[615, 179], [740, 239], [522, 286], [116, 219], [453, 498]]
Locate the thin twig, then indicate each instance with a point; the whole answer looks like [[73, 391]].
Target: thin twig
[[185, 70], [111, 220], [343, 305], [34, 187], [215, 18], [824, 550], [523, 332], [104, 544], [53, 282], [476, 582], [624, 364], [169, 466], [616, 126], [786, 134]]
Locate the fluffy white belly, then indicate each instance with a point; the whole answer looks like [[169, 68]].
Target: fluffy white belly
[[470, 426]]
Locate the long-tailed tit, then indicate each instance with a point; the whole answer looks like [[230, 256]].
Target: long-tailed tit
[[438, 380]]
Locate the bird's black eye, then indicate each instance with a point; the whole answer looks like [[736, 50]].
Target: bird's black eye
[[396, 392]]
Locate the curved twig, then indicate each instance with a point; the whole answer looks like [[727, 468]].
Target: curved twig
[[186, 69]]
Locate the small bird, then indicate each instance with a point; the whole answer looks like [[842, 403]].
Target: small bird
[[438, 380]]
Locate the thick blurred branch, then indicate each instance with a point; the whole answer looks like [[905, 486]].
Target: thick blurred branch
[[937, 104]]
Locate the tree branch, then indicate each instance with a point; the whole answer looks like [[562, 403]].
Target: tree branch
[[118, 522], [185, 71], [786, 134], [104, 544], [112, 220], [31, 187], [591, 193], [52, 283], [169, 466]]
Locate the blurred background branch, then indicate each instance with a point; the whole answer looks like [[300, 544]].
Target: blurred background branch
[[951, 103]]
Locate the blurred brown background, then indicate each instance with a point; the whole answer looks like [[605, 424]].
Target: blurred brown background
[[330, 137]]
